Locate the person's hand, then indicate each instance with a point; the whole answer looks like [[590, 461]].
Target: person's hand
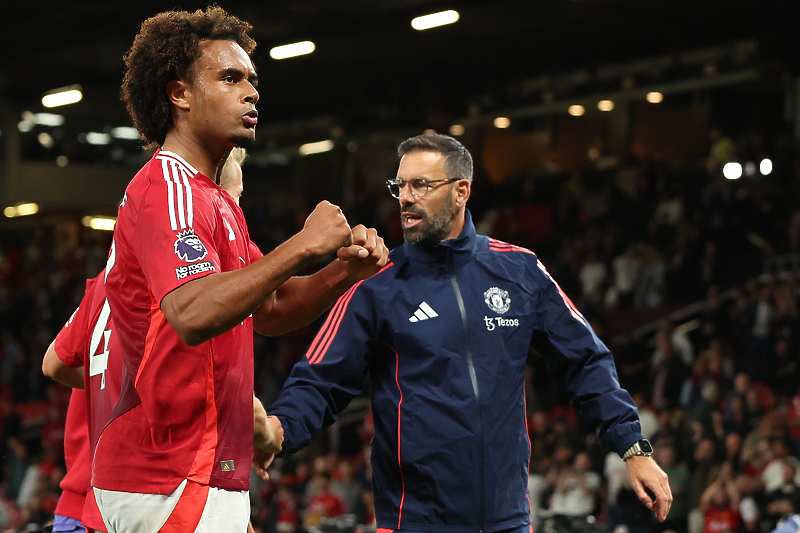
[[366, 255], [326, 229], [644, 472], [261, 462], [271, 439]]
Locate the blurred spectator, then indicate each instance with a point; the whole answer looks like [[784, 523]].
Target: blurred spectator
[[325, 504], [784, 500], [720, 505], [576, 489]]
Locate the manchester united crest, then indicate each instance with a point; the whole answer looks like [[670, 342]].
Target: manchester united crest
[[497, 300]]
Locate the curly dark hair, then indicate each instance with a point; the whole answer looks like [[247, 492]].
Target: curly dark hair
[[164, 50]]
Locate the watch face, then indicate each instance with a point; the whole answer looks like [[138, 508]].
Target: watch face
[[645, 446]]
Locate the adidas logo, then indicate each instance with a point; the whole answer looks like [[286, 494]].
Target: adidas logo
[[424, 312]]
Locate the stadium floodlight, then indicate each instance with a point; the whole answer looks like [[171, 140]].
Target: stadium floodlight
[[435, 20], [655, 97], [292, 50], [99, 223], [576, 110], [63, 96], [605, 105], [502, 122], [98, 139], [765, 167], [125, 132], [21, 210], [317, 147], [732, 171]]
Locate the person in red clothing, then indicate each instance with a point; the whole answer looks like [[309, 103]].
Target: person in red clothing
[[85, 355], [186, 288], [88, 337], [325, 504], [720, 504]]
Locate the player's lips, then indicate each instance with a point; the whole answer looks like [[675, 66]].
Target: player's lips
[[250, 118]]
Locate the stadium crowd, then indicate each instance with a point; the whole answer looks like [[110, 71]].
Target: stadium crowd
[[630, 241]]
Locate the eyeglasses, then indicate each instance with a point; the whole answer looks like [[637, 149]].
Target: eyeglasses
[[419, 186]]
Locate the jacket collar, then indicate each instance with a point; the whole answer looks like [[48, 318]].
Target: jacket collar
[[460, 249]]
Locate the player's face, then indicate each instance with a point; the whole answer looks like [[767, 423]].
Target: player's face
[[427, 220], [222, 95]]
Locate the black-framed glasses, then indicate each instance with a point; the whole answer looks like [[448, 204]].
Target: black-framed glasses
[[419, 186]]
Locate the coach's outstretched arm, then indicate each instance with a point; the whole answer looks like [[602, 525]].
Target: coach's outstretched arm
[[201, 309], [332, 373]]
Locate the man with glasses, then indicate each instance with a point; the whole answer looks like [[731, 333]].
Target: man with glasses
[[442, 334]]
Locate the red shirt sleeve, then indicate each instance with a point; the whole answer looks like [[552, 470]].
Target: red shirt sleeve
[[70, 343], [175, 229], [255, 253]]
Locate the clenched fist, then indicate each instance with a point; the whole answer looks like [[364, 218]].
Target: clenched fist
[[326, 229], [366, 255]]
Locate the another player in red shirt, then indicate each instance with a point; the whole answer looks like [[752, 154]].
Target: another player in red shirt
[[84, 354], [186, 289]]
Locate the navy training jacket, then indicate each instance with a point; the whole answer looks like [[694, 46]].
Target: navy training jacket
[[442, 335]]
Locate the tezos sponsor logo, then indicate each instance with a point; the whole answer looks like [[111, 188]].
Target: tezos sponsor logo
[[498, 321], [189, 247], [497, 300]]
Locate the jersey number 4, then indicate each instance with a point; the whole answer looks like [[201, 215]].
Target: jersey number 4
[[98, 362]]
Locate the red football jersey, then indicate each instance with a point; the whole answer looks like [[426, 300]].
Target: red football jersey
[[184, 411], [88, 340]]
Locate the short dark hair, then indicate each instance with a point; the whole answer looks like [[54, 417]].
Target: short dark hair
[[164, 50], [459, 161]]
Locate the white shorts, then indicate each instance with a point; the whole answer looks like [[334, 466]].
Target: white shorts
[[190, 507]]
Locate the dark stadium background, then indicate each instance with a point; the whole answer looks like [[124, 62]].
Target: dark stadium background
[[720, 255]]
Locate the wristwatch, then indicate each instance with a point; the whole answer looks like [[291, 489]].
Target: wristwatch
[[641, 447]]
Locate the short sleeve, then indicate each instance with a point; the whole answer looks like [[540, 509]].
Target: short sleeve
[[70, 344], [174, 234], [254, 252]]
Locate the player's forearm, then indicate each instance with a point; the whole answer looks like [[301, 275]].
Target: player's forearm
[[302, 299], [204, 308], [260, 435], [54, 368]]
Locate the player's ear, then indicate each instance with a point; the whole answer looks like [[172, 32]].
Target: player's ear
[[178, 93]]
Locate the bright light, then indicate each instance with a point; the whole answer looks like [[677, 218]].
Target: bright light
[[62, 161], [48, 119], [655, 97], [605, 105], [429, 131], [46, 140], [292, 50], [21, 210], [433, 20], [576, 110], [732, 171], [63, 96], [24, 126], [317, 147], [765, 167], [456, 130], [502, 122], [98, 139], [99, 223], [125, 132]]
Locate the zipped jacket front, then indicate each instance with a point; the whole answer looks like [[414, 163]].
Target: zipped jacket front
[[441, 338]]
